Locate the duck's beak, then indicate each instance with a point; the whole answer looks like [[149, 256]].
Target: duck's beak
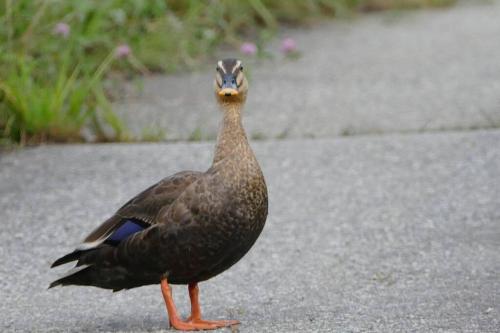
[[229, 88], [228, 92]]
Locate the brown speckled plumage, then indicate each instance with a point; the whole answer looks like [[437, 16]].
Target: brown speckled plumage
[[197, 224]]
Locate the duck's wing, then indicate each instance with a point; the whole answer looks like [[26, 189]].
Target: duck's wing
[[145, 206], [137, 214], [192, 229]]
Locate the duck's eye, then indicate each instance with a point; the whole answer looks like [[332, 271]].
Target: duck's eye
[[225, 81], [241, 68], [233, 81]]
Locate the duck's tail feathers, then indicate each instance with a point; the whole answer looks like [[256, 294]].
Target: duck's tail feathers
[[77, 275], [75, 255]]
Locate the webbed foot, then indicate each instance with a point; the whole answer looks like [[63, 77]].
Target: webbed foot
[[194, 322], [200, 324]]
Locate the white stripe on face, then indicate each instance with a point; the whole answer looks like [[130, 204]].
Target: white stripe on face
[[238, 64], [221, 66]]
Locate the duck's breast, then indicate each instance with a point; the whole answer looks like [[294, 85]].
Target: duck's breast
[[226, 216]]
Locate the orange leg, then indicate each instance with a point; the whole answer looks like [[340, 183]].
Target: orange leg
[[194, 322], [196, 311]]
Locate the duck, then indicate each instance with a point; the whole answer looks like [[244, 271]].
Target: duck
[[188, 227]]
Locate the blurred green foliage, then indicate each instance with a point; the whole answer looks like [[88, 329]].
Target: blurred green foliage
[[51, 82]]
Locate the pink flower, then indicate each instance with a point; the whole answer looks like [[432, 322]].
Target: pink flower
[[122, 51], [288, 45], [248, 48], [62, 29]]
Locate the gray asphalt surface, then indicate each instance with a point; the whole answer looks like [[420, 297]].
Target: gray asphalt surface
[[390, 72], [399, 233]]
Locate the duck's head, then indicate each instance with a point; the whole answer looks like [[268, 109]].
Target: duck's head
[[231, 86]]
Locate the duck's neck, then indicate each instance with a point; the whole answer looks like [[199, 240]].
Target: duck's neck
[[231, 138]]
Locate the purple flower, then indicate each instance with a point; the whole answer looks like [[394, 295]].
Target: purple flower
[[62, 29], [288, 45], [122, 51], [248, 48]]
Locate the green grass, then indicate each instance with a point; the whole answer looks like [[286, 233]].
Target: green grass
[[375, 5], [52, 86], [196, 135], [258, 136]]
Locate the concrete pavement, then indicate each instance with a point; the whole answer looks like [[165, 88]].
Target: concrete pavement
[[399, 233]]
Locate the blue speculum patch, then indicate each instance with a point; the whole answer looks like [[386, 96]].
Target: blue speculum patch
[[125, 230]]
